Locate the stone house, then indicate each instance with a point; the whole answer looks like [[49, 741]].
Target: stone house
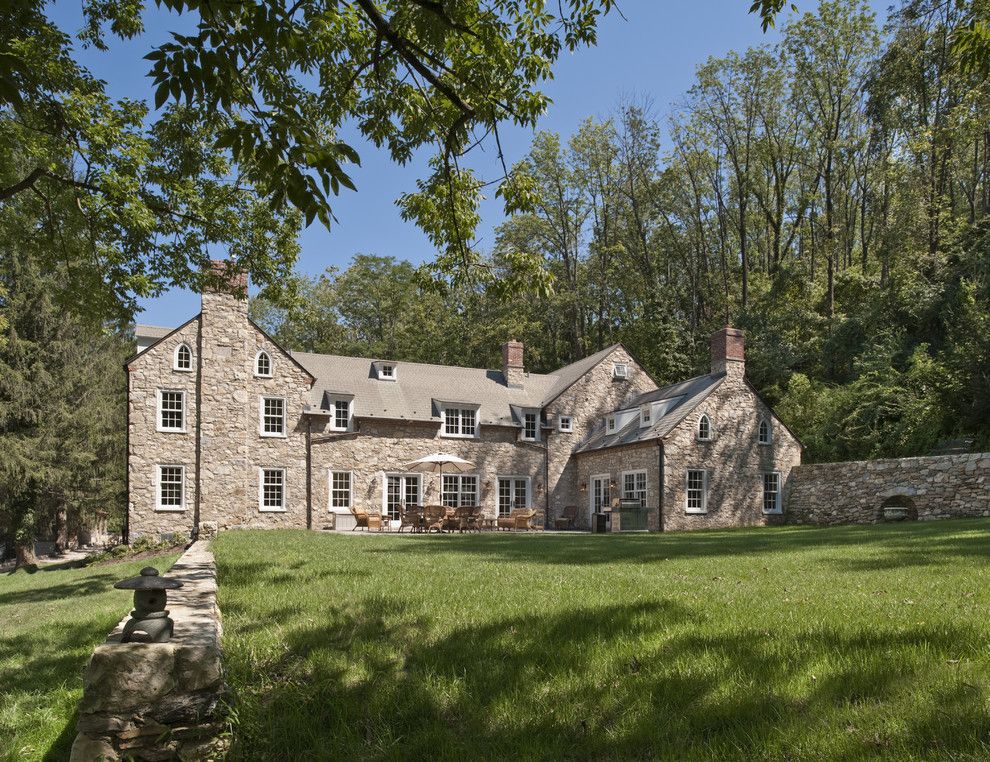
[[228, 429]]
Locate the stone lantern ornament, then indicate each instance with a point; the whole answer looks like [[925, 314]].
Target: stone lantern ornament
[[149, 622]]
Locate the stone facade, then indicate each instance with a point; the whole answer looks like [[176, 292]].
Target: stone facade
[[933, 487], [154, 701]]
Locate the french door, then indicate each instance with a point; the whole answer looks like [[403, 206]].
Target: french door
[[600, 495], [400, 490]]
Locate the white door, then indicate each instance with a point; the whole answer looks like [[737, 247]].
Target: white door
[[400, 490], [600, 496]]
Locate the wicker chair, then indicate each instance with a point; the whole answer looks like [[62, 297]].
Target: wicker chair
[[367, 520], [412, 516], [567, 518], [517, 518], [434, 516], [462, 519]]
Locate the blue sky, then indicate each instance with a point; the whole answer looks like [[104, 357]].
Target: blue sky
[[649, 55]]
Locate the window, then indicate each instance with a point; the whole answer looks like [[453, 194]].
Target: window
[[765, 435], [340, 489], [171, 488], [171, 411], [771, 493], [271, 489], [272, 416], [513, 492], [263, 365], [634, 486], [620, 370], [459, 422], [387, 371], [530, 430], [645, 415], [458, 490], [697, 491], [183, 358], [566, 424], [610, 423], [341, 415], [704, 428]]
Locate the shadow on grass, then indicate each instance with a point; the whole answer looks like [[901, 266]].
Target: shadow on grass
[[98, 583], [370, 682]]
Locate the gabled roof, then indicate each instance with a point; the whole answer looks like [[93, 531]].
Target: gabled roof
[[151, 331], [165, 333], [685, 396], [571, 374], [420, 389]]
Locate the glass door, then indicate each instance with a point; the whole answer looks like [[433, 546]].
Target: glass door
[[601, 496], [400, 490]]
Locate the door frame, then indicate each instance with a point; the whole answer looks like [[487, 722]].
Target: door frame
[[607, 479], [402, 476]]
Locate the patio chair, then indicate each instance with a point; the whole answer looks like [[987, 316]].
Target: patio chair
[[363, 518], [567, 518], [434, 516], [518, 518], [412, 516], [462, 518]]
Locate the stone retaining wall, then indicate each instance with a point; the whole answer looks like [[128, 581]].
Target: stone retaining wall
[[154, 701], [932, 487]]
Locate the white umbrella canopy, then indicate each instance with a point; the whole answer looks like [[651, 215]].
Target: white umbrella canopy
[[438, 463]]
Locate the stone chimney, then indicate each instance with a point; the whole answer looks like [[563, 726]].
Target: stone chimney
[[226, 288], [728, 353], [512, 363]]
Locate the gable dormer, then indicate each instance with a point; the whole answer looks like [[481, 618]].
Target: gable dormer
[[385, 370]]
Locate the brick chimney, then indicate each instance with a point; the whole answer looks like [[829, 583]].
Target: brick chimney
[[512, 363], [728, 353], [225, 288]]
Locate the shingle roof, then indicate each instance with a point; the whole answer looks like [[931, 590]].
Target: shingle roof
[[570, 374], [685, 396], [151, 331], [419, 387]]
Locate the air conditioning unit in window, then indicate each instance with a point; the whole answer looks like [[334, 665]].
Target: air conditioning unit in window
[[620, 370]]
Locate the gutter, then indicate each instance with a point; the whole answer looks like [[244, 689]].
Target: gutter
[[660, 484], [126, 530], [199, 424], [309, 475]]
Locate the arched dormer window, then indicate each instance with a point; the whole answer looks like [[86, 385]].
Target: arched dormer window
[[704, 428], [263, 364], [764, 433], [183, 357]]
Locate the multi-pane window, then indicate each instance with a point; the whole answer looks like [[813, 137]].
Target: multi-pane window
[[634, 486], [771, 493], [183, 357], [566, 423], [459, 422], [387, 371], [340, 489], [704, 428], [341, 414], [529, 426], [620, 370], [263, 364], [272, 416], [171, 481], [610, 423], [697, 487], [459, 489], [513, 492], [171, 411], [764, 435], [645, 415], [272, 489]]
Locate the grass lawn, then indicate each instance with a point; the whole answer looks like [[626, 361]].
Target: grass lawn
[[783, 643], [50, 621]]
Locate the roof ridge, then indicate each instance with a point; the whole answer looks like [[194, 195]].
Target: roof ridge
[[407, 362]]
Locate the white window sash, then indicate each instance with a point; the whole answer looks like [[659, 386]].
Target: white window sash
[[261, 491], [778, 504], [453, 426], [257, 358], [635, 492], [569, 427], [350, 488], [159, 506], [175, 358], [159, 410], [261, 418], [688, 508]]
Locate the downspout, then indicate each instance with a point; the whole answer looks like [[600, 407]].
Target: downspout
[[546, 481], [309, 474], [126, 531], [660, 479], [199, 423]]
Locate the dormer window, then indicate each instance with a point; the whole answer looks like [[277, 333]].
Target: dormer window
[[764, 434], [263, 365], [341, 419], [704, 428], [610, 424], [531, 429], [646, 416], [460, 422], [620, 370], [385, 371], [183, 358]]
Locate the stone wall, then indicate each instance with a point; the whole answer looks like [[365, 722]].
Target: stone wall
[[587, 401], [156, 701], [614, 462], [933, 487]]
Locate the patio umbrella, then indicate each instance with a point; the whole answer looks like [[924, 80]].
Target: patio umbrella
[[434, 464]]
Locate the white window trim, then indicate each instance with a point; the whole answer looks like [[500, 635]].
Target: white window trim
[[779, 509], [158, 489], [333, 413], [458, 408], [271, 364], [380, 371], [697, 429], [350, 489], [403, 475], [522, 431], [611, 424], [261, 417], [591, 491], [261, 490], [158, 412], [645, 416], [769, 439], [478, 486], [646, 480], [569, 429], [175, 358], [514, 477], [704, 492]]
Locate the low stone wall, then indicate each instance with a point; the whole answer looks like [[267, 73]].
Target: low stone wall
[[154, 701], [932, 487]]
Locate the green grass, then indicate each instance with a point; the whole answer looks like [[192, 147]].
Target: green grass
[[50, 621], [781, 643]]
